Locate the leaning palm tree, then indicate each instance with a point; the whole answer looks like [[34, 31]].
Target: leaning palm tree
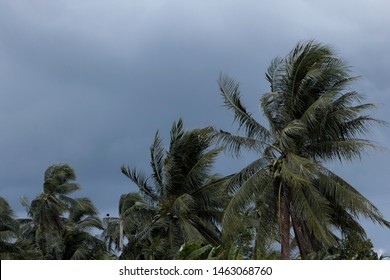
[[313, 118], [62, 226], [183, 202], [48, 208]]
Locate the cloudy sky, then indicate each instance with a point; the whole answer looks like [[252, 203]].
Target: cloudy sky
[[89, 82]]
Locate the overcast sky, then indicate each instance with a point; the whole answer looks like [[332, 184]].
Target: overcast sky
[[89, 82]]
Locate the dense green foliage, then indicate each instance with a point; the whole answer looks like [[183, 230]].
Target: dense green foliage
[[286, 198]]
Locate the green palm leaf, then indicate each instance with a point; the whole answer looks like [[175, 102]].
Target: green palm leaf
[[230, 92]]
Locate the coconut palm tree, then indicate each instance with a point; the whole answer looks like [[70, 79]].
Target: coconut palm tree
[[183, 202], [313, 118], [62, 227], [48, 209]]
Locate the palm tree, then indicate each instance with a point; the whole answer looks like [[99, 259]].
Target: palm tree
[[62, 227], [183, 202], [48, 208], [312, 118]]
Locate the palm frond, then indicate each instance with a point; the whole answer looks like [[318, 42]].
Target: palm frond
[[80, 207], [198, 173], [288, 135], [230, 91], [341, 219], [66, 188], [157, 157], [141, 181], [346, 149], [314, 209], [316, 111], [348, 197], [236, 180], [57, 175], [254, 185], [274, 72], [206, 231], [274, 108], [176, 132], [236, 143]]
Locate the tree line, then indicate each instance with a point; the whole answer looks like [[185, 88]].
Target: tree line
[[285, 204]]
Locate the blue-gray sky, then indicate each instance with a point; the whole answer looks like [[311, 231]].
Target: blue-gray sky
[[89, 82]]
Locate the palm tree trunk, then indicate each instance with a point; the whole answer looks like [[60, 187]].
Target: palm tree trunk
[[284, 223], [120, 234], [303, 245]]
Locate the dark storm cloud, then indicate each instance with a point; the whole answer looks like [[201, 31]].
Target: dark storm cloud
[[89, 82]]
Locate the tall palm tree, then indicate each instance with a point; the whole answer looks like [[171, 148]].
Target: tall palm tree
[[183, 202], [313, 117]]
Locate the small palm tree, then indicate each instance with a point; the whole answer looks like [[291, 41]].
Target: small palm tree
[[183, 203], [312, 118], [48, 208], [62, 227]]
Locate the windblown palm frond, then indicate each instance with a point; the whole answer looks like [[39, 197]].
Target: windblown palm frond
[[139, 178], [230, 92], [157, 156]]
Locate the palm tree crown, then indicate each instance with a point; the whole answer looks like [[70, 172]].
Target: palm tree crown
[[312, 117], [61, 226], [182, 203]]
